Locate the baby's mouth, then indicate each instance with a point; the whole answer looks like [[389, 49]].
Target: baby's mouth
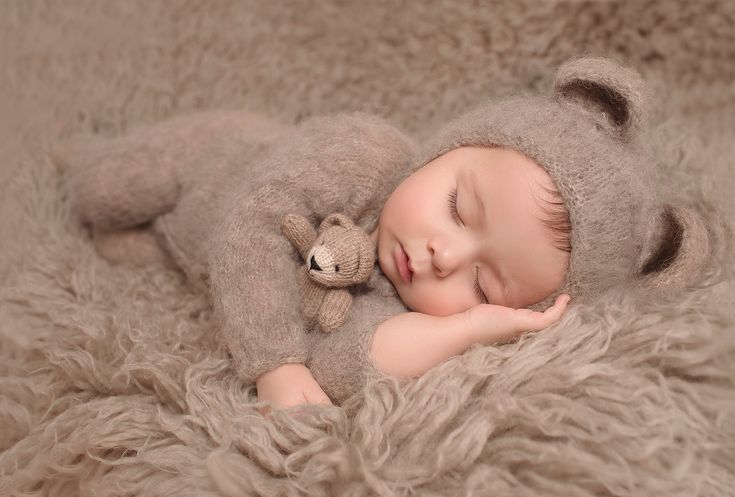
[[403, 264]]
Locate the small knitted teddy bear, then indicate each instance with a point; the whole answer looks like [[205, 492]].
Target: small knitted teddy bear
[[339, 255]]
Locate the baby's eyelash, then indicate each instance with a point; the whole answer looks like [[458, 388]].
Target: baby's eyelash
[[478, 290], [455, 215], [453, 205]]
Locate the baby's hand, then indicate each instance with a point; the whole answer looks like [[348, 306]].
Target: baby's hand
[[489, 324], [289, 385]]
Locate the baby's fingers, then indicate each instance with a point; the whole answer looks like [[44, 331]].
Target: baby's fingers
[[534, 321], [315, 395]]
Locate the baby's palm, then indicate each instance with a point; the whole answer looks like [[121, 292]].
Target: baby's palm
[[488, 323]]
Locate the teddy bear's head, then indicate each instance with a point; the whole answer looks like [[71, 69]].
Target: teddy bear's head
[[343, 253]]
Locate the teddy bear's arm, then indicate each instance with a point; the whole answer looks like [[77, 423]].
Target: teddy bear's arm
[[334, 309]]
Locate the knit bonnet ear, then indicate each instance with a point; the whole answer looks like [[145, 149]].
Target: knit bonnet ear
[[677, 249], [607, 90]]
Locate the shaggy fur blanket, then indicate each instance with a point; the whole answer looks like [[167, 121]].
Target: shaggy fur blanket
[[111, 382]]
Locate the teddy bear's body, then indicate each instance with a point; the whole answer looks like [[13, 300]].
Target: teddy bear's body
[[339, 255]]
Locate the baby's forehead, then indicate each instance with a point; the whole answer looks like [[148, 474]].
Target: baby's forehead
[[505, 173], [516, 193], [484, 161]]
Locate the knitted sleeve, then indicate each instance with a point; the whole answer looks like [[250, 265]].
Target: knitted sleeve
[[344, 163], [341, 361], [253, 284]]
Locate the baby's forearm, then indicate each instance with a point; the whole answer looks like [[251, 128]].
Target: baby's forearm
[[409, 344]]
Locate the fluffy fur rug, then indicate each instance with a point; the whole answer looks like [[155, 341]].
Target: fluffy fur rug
[[110, 381]]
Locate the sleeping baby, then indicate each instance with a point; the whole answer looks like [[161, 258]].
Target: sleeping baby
[[481, 234]]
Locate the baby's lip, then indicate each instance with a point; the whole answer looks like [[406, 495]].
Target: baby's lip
[[403, 264], [410, 268]]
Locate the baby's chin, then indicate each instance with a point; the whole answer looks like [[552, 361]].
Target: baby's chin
[[407, 301], [416, 304]]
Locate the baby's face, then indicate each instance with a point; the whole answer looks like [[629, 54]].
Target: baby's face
[[502, 246]]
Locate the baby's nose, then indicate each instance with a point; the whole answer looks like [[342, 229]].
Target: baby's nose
[[447, 258]]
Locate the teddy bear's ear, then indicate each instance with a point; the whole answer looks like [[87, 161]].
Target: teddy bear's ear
[[336, 219], [676, 250], [606, 88]]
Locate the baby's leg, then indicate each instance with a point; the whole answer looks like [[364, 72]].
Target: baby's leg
[[123, 182], [119, 183], [169, 170]]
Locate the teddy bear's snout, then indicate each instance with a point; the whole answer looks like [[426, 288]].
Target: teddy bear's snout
[[322, 260], [313, 264]]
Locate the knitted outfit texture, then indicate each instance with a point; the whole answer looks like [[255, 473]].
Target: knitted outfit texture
[[347, 163], [216, 186]]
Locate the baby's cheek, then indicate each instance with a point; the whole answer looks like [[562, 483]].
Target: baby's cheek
[[436, 303]]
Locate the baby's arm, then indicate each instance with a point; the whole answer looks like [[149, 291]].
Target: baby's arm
[[409, 344], [253, 282], [341, 163]]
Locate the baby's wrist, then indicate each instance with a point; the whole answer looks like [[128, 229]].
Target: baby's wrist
[[283, 372]]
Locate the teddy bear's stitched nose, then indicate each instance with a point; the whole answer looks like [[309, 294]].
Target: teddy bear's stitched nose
[[313, 264]]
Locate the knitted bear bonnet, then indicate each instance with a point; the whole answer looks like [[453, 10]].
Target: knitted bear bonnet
[[586, 136]]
